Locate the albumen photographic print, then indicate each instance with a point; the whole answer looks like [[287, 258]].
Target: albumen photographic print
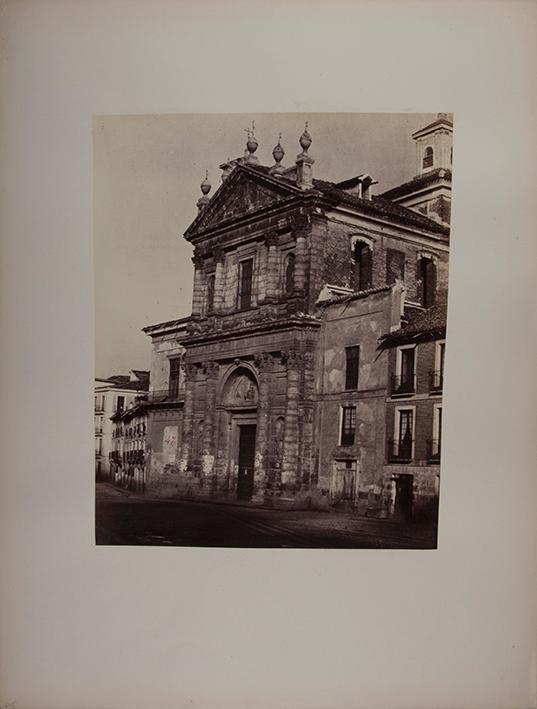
[[285, 387]]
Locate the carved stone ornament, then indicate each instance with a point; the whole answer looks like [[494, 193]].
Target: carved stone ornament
[[241, 390], [271, 238], [210, 369], [219, 255], [300, 221], [263, 361], [291, 357]]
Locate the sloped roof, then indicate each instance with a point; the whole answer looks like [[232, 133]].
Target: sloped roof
[[356, 295], [439, 121], [167, 325], [377, 206], [417, 182], [418, 324]]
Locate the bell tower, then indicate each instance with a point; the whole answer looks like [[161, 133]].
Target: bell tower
[[434, 145], [429, 191]]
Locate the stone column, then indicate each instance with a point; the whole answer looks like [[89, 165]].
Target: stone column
[[306, 462], [208, 446], [263, 363], [301, 225], [272, 290], [198, 290], [231, 283], [262, 274], [188, 419], [219, 258], [290, 472]]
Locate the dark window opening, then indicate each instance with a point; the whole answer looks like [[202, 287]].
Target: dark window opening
[[352, 364], [348, 425], [404, 439], [362, 266], [289, 274], [395, 266], [120, 403], [210, 294], [426, 282], [404, 381], [428, 157], [407, 366], [245, 284], [175, 372]]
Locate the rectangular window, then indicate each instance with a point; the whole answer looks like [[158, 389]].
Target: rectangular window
[[348, 425], [245, 284], [436, 441], [404, 381], [352, 364], [175, 372], [120, 403], [405, 434], [395, 266], [437, 375]]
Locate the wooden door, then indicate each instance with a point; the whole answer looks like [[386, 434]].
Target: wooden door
[[245, 482]]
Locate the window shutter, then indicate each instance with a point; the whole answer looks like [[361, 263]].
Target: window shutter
[[246, 284], [352, 367], [429, 295], [366, 268]]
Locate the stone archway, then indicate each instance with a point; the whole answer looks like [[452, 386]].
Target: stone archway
[[240, 398]]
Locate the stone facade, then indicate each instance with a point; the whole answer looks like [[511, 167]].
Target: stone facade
[[293, 278]]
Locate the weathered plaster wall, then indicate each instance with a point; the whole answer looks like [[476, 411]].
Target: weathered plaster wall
[[355, 322]]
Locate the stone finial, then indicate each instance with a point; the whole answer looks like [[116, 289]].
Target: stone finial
[[278, 155], [304, 162], [305, 140], [251, 146], [205, 189], [206, 185]]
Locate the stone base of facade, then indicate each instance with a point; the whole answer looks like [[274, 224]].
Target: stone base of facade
[[419, 501], [173, 485]]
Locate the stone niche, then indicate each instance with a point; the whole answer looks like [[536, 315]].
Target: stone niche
[[240, 390]]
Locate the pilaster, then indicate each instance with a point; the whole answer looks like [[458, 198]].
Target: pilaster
[[188, 418], [271, 241], [197, 294], [263, 363], [208, 475], [219, 285], [290, 473]]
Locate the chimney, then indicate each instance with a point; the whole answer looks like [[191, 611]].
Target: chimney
[[367, 183]]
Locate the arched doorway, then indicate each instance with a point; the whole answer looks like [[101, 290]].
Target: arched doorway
[[240, 397]]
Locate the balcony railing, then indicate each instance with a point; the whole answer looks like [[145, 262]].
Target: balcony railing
[[433, 450], [162, 396], [400, 451], [436, 381], [402, 385]]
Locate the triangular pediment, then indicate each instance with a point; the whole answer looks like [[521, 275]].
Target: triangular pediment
[[244, 192]]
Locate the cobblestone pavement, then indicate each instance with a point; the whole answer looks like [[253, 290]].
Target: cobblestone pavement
[[125, 518]]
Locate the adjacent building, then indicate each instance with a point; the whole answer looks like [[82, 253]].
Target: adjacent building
[[128, 456], [112, 395], [288, 384]]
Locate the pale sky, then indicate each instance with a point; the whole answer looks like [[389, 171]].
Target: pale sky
[[147, 172]]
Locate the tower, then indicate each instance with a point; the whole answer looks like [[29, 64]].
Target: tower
[[434, 145], [429, 191]]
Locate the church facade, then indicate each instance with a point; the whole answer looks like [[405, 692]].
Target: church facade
[[276, 390]]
